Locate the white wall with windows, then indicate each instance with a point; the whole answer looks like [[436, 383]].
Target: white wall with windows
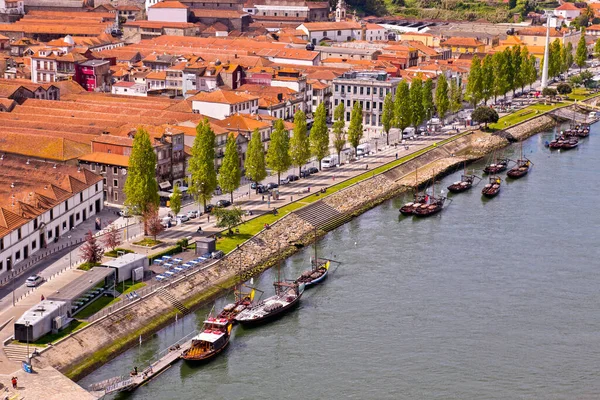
[[23, 242]]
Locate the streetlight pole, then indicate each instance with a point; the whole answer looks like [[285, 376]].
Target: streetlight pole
[[27, 333], [69, 237]]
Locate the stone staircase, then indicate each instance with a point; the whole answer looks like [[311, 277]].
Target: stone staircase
[[322, 216], [171, 299], [18, 352]]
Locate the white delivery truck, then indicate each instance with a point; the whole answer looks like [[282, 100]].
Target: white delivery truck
[[363, 149], [330, 161]]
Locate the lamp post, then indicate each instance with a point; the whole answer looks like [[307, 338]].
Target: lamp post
[[27, 333], [69, 237]]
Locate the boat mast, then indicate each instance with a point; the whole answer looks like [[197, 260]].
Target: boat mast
[[315, 244]]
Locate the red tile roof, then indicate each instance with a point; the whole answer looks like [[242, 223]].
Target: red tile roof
[[169, 4], [106, 158], [567, 6]]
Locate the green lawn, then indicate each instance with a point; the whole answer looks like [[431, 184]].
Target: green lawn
[[128, 286], [148, 242], [51, 337], [113, 253], [524, 114], [96, 306], [579, 94], [250, 228]]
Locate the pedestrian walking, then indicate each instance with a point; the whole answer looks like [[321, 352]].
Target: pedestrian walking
[[207, 217], [333, 178], [13, 380], [367, 166], [43, 298], [263, 197], [396, 156]]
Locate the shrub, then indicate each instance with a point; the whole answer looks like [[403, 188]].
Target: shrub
[[549, 92], [564, 88]]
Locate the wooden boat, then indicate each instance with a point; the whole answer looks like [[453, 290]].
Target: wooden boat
[[520, 170], [493, 187], [287, 297], [243, 301], [433, 207], [496, 167], [465, 183], [318, 271], [522, 167], [557, 142], [419, 199], [209, 343], [570, 144]]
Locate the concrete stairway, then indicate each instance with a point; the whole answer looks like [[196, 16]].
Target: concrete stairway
[[171, 299], [17, 352], [322, 216]]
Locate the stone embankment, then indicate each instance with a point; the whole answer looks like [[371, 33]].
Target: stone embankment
[[97, 343]]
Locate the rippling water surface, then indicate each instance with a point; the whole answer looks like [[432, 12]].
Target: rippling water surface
[[491, 299]]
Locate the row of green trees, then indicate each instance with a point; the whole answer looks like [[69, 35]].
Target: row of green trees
[[500, 73], [560, 58]]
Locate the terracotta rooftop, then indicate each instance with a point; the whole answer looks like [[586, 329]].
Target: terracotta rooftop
[[28, 188], [567, 7], [106, 158], [169, 4], [331, 26], [462, 41], [224, 97]]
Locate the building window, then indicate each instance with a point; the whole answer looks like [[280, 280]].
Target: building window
[[115, 170], [361, 90], [2, 244], [33, 245], [35, 223], [116, 196], [104, 181], [103, 168], [368, 91], [77, 216], [347, 116], [81, 197], [67, 205], [64, 225], [93, 167], [115, 183], [336, 102], [49, 234], [356, 89], [91, 208], [339, 33], [19, 234], [51, 214], [18, 255]]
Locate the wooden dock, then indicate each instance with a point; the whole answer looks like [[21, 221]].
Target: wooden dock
[[128, 383]]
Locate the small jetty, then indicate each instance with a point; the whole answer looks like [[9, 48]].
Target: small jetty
[[138, 378]]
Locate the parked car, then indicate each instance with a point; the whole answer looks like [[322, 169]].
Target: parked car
[[209, 207], [223, 203], [313, 170], [181, 218], [262, 189], [290, 178], [304, 173], [272, 185], [254, 185], [34, 280], [192, 214]]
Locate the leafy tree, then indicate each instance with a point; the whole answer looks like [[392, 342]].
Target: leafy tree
[[299, 144], [278, 156], [485, 115], [387, 117], [487, 87], [456, 96], [550, 92], [255, 166], [523, 72], [442, 101], [339, 134], [554, 59], [576, 80], [508, 70], [319, 135], [416, 102], [229, 173], [475, 82], [141, 188], [581, 54], [512, 4], [586, 77], [501, 84], [152, 223], [175, 200], [355, 130], [597, 48], [564, 88], [402, 110], [112, 238], [569, 56], [532, 70], [203, 177], [516, 68], [228, 218], [427, 96], [91, 251]]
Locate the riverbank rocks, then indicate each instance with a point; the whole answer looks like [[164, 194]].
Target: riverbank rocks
[[531, 127], [358, 195]]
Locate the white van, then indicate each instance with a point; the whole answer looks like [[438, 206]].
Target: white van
[[409, 133], [363, 149], [330, 161]]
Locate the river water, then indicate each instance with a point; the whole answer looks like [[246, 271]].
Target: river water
[[491, 299]]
